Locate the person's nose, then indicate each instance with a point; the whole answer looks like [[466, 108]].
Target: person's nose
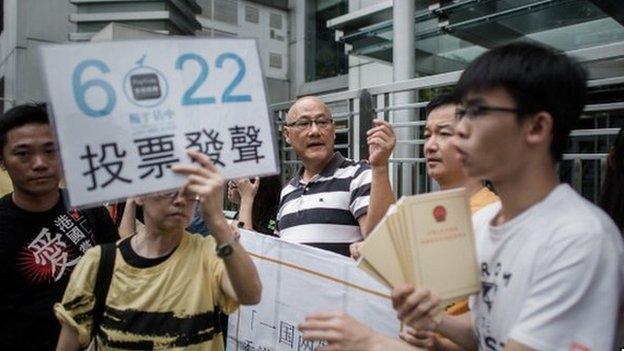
[[431, 145], [40, 162], [314, 129], [179, 200]]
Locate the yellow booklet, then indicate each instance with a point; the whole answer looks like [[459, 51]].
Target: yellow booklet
[[426, 240]]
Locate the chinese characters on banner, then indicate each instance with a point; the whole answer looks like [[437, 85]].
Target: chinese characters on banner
[[298, 280], [122, 120]]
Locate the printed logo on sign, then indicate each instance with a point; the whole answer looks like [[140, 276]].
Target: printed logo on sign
[[439, 213], [145, 86]]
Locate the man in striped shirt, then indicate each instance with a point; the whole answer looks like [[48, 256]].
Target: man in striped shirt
[[332, 201]]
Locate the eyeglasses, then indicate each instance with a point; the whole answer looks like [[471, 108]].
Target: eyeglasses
[[480, 110], [174, 194], [305, 123]]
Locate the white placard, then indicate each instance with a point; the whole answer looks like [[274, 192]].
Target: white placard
[[297, 280], [124, 111]]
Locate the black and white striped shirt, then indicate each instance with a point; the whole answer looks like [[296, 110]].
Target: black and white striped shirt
[[326, 208]]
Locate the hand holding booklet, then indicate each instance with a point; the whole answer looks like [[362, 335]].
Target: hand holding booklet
[[428, 241]]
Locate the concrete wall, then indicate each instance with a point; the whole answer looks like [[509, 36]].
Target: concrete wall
[[296, 45], [8, 50], [261, 31], [27, 25], [365, 73], [270, 40], [278, 90]]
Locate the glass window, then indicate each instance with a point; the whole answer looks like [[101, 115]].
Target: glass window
[[275, 21], [275, 60], [252, 14], [455, 33], [325, 57], [226, 11]]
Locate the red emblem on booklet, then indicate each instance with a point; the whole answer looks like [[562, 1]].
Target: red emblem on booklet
[[439, 213], [576, 346]]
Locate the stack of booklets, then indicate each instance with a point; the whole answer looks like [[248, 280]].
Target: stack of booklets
[[428, 241]]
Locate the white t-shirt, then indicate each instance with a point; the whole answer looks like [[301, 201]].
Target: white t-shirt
[[552, 278]]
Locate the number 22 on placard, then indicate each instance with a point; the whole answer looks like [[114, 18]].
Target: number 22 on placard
[[227, 97], [80, 88]]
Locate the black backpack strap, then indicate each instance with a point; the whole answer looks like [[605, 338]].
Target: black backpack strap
[[102, 283]]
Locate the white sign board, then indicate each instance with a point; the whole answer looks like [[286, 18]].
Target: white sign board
[[125, 111], [298, 280]]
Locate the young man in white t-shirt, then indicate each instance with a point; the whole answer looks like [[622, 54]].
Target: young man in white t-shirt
[[552, 268]]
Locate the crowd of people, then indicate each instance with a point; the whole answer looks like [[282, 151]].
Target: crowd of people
[[159, 271]]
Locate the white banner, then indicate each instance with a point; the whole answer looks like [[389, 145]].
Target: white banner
[[125, 111], [296, 281]]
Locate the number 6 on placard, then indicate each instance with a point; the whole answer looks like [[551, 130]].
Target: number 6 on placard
[[80, 88]]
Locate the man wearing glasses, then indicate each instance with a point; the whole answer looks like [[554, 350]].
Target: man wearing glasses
[[333, 201]]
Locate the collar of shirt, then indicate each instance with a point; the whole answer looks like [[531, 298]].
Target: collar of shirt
[[328, 171]]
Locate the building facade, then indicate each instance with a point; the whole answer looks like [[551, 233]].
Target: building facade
[[404, 52], [170, 17], [26, 25], [29, 23], [266, 21]]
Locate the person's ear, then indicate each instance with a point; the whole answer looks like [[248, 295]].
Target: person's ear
[[539, 128], [286, 134]]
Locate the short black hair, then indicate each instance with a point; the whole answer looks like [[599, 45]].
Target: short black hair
[[21, 115], [538, 78], [442, 100]]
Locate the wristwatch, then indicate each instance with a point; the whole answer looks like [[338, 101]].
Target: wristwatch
[[225, 250]]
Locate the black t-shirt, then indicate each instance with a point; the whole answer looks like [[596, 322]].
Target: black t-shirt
[[38, 252]]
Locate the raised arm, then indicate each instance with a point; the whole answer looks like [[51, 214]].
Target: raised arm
[[381, 141], [247, 191], [241, 282]]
